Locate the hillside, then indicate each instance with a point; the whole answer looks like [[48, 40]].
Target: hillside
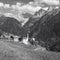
[[10, 25], [46, 30], [11, 51]]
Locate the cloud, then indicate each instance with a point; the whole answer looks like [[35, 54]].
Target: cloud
[[22, 8], [19, 4], [1, 4], [25, 8], [48, 2], [30, 9], [4, 5], [7, 6]]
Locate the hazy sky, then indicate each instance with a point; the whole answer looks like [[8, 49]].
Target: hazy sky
[[14, 1], [49, 2]]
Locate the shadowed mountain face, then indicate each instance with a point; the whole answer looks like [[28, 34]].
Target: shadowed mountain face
[[10, 25], [47, 30]]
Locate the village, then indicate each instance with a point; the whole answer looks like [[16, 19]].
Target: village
[[26, 40]]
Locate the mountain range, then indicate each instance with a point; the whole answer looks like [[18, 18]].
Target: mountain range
[[46, 30], [43, 26]]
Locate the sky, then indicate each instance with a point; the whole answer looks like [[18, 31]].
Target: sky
[[48, 2], [14, 1]]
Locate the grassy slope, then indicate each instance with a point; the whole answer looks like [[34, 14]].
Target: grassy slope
[[14, 51]]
